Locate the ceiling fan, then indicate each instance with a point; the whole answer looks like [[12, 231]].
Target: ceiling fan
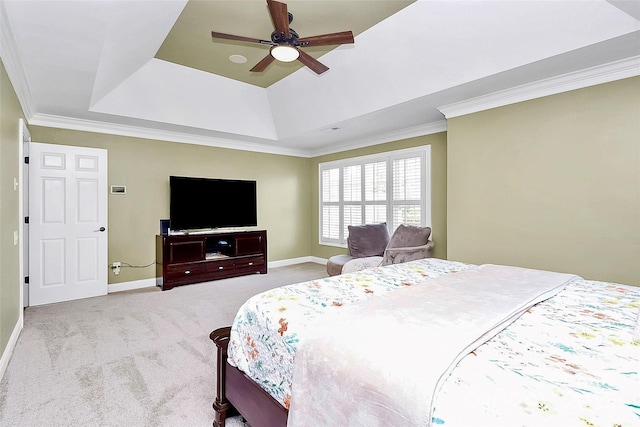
[[285, 42]]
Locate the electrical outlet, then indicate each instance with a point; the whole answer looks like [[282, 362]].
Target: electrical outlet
[[116, 267]]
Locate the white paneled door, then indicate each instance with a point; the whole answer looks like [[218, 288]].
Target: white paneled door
[[67, 223]]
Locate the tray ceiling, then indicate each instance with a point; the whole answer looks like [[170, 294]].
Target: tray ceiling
[[150, 68], [189, 42]]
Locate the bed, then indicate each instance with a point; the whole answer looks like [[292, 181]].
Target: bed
[[343, 350]]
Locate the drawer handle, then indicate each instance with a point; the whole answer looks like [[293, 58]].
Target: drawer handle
[[187, 272], [220, 268], [250, 263]]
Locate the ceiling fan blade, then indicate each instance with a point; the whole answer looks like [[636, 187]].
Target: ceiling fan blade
[[344, 37], [312, 62], [280, 17], [262, 65], [239, 38]]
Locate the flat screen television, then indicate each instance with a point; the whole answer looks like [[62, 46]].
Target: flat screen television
[[208, 203]]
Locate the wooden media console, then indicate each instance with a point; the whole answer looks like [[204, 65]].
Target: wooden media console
[[192, 258]]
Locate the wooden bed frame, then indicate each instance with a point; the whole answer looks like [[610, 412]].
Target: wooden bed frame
[[236, 393]]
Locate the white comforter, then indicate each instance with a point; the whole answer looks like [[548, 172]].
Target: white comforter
[[358, 370]]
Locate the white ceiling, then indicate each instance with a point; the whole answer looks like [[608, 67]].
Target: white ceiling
[[90, 65]]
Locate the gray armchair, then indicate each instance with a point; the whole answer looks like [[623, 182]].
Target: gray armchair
[[369, 245], [408, 243], [363, 242]]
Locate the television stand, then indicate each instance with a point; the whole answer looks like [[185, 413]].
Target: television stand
[[191, 258]]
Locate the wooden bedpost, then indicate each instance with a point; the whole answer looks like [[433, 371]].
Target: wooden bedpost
[[221, 339]]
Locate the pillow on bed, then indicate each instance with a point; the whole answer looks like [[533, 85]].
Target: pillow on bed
[[409, 236], [367, 240]]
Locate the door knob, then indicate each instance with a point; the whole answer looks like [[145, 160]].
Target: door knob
[[101, 229]]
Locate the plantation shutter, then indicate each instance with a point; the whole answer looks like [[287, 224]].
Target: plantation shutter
[[352, 196], [330, 204], [389, 187], [407, 191], [375, 192]]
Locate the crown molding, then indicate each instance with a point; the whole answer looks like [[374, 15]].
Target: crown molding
[[61, 122], [13, 64], [629, 67], [397, 135]]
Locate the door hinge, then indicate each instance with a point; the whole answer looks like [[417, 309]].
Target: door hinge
[[26, 220], [26, 160], [26, 280]]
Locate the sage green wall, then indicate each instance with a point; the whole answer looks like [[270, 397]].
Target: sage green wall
[[144, 166], [438, 143], [10, 113], [552, 183]]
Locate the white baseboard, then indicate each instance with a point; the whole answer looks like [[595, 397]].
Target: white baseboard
[[11, 345], [319, 260], [292, 261], [148, 283], [129, 286]]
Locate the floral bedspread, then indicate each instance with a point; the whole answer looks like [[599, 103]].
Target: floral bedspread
[[568, 361], [267, 329]]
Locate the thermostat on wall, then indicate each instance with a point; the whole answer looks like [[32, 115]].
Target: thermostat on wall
[[118, 189]]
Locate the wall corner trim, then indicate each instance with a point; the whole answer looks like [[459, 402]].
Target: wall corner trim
[[13, 64]]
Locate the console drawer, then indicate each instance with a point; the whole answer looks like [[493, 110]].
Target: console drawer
[[252, 264], [221, 266], [187, 272]]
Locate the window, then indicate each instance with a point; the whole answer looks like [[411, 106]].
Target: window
[[392, 187]]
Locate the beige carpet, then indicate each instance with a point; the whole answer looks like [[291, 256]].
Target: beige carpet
[[137, 358]]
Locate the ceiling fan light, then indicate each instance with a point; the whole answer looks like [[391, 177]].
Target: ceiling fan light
[[285, 53]]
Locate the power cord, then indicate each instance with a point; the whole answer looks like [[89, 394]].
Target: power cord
[[116, 266], [126, 264]]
